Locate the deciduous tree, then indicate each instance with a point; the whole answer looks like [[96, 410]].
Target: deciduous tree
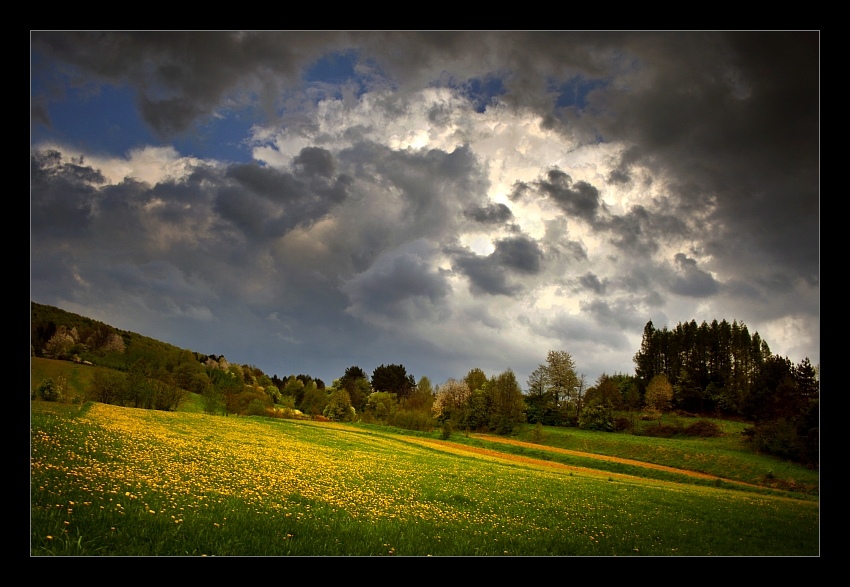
[[507, 408], [561, 378], [382, 405], [394, 379], [356, 383], [450, 400], [659, 393], [338, 407]]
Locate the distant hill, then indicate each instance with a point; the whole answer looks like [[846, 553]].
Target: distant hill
[[95, 342]]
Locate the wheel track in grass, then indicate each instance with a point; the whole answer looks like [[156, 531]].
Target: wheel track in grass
[[608, 458], [459, 448]]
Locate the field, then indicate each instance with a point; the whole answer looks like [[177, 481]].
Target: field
[[107, 480]]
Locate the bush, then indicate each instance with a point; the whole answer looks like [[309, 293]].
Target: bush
[[660, 431], [338, 407], [107, 387], [238, 403], [382, 405], [704, 429], [49, 390], [52, 391], [621, 424], [413, 420], [286, 402], [256, 407], [597, 416], [213, 401], [448, 428], [650, 413], [778, 438], [537, 433]]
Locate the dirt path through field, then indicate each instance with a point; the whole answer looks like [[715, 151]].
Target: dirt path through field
[[599, 457], [463, 448]]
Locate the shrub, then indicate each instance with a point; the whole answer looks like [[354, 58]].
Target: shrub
[[597, 416], [237, 403], [537, 433], [107, 387], [52, 391], [778, 438], [287, 402], [49, 390], [338, 407], [703, 428], [660, 431], [382, 404], [213, 401], [650, 413], [413, 420], [621, 424], [448, 428], [256, 407]]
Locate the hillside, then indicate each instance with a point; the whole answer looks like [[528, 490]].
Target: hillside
[[706, 461], [161, 376], [146, 482]]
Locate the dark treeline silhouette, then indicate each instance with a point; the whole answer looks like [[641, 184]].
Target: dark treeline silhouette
[[721, 369]]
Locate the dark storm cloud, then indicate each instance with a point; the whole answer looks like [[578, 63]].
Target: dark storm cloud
[[640, 231], [403, 285], [485, 275], [519, 191], [490, 214], [314, 161], [733, 120], [577, 198], [618, 316], [520, 254], [38, 111], [264, 201], [722, 128], [489, 274], [432, 187], [591, 282], [568, 327], [183, 76], [692, 281], [62, 194], [182, 203]]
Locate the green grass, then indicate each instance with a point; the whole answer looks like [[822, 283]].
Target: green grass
[[77, 376], [107, 480], [728, 456]]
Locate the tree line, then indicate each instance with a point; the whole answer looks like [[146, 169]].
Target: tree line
[[717, 369]]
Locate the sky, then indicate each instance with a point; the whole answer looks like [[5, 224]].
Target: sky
[[304, 202]]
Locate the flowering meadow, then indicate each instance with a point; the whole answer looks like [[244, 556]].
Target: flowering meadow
[[108, 480]]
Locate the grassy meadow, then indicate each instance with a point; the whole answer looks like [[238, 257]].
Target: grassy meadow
[[107, 480]]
